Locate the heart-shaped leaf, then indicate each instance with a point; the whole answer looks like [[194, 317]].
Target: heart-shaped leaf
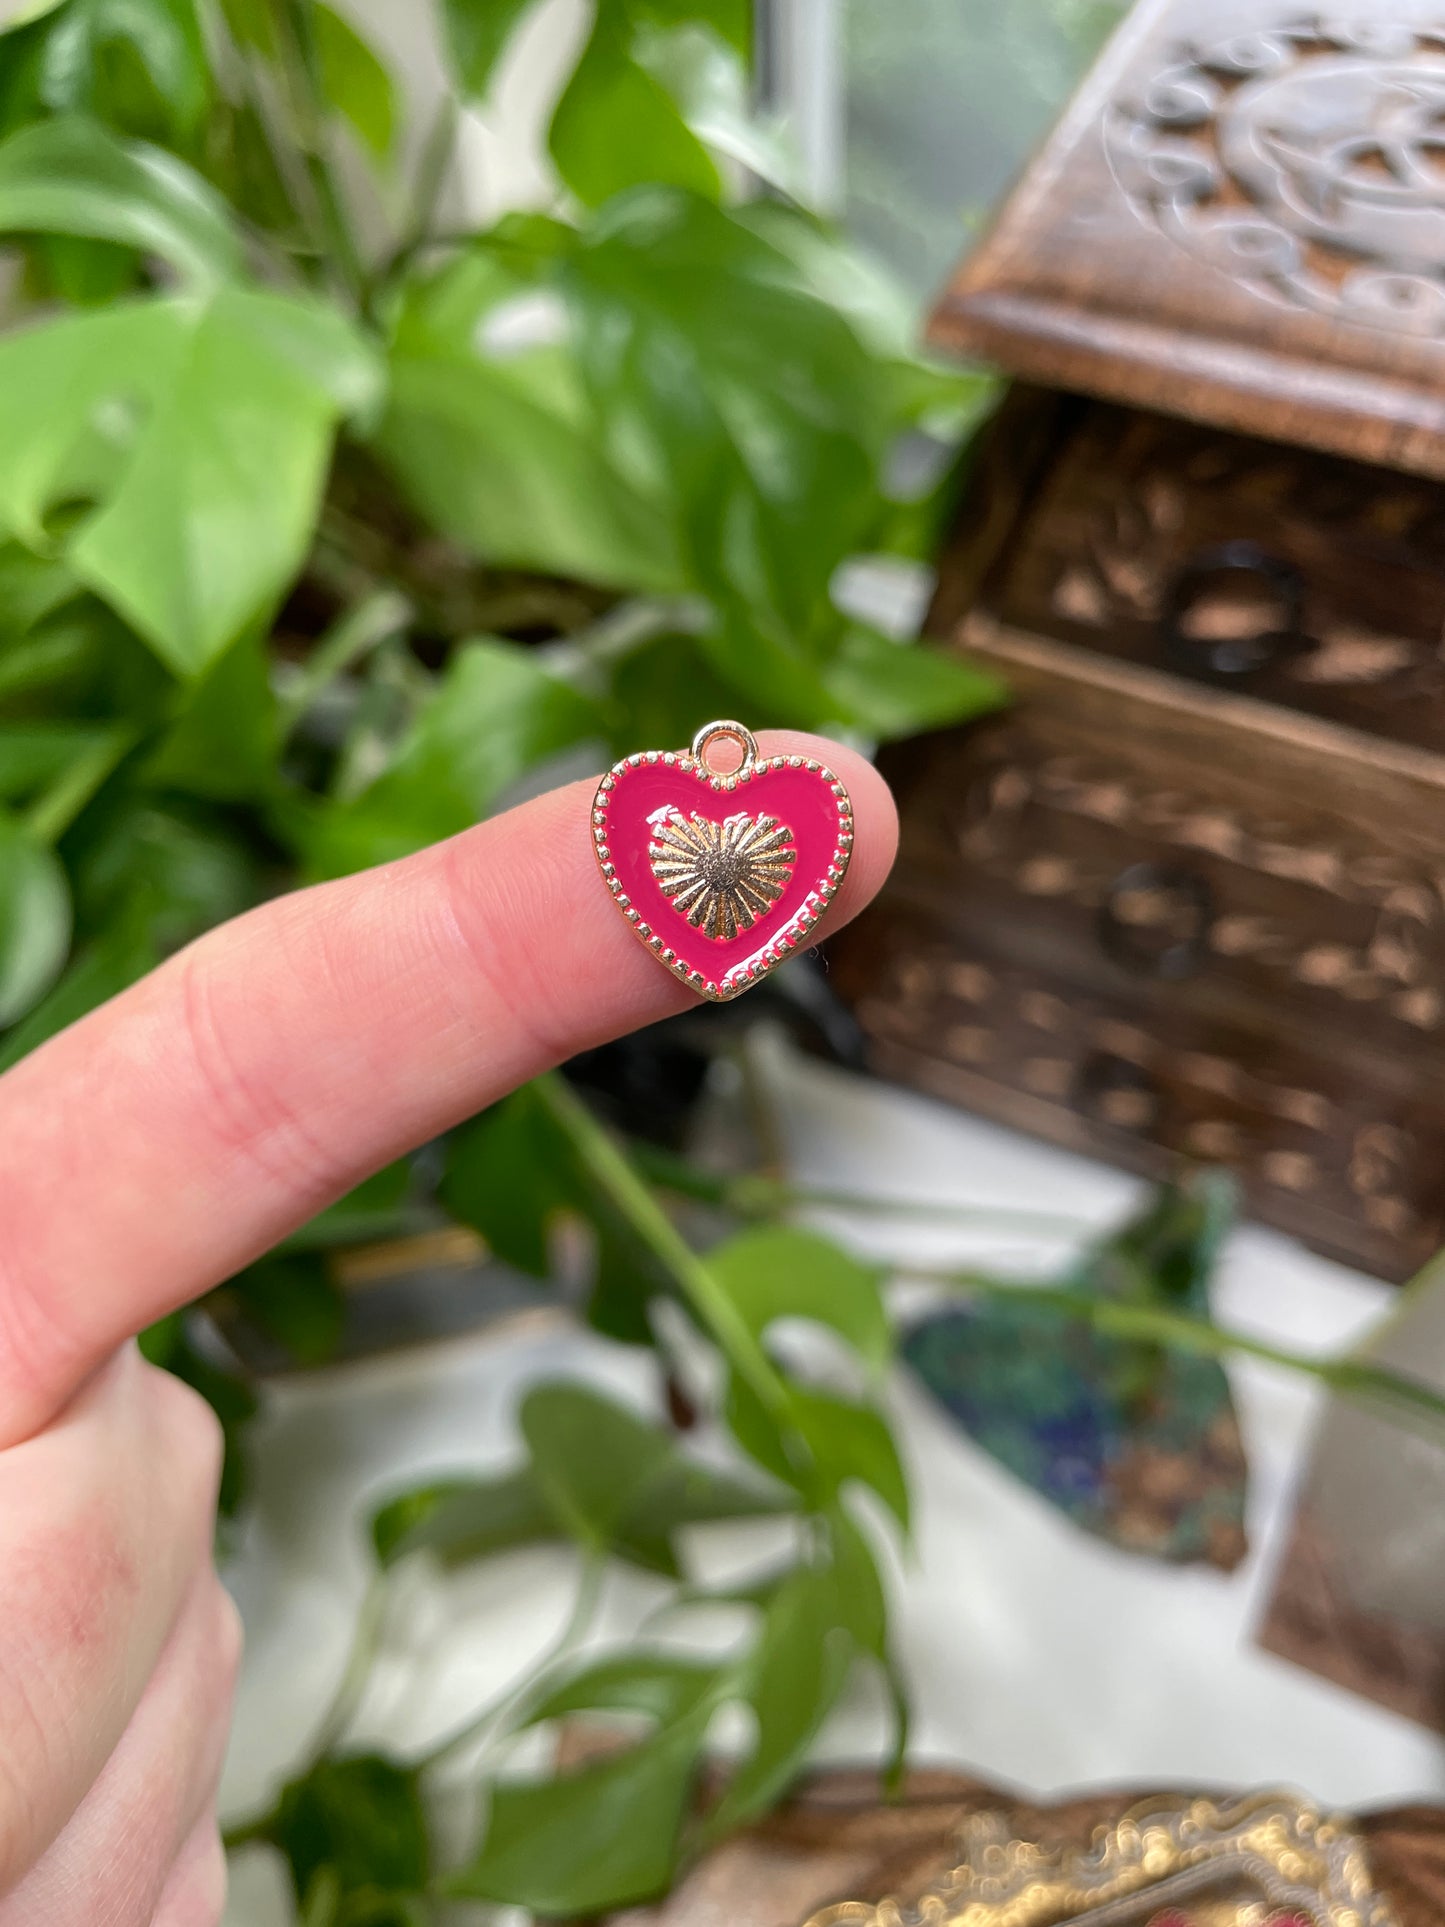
[[201, 428], [34, 919], [778, 1272], [70, 176], [213, 511]]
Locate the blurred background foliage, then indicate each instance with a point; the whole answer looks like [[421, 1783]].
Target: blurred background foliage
[[325, 530], [330, 527]]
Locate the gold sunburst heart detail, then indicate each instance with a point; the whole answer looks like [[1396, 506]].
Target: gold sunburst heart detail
[[722, 876]]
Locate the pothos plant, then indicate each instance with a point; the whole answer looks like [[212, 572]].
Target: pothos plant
[[324, 524]]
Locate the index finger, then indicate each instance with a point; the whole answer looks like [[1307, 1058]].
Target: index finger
[[175, 1134]]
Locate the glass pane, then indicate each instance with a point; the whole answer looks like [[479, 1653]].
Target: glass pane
[[945, 101]]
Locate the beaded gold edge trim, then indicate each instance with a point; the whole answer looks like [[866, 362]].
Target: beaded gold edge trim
[[1278, 1854], [782, 946]]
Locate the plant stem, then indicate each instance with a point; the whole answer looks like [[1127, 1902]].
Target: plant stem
[[1405, 1401], [756, 1196], [359, 1662], [610, 1168], [302, 66], [342, 1710], [376, 618], [52, 814], [433, 166], [579, 1620], [245, 1832]]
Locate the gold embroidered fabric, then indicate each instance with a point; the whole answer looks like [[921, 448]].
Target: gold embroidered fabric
[[1268, 1860]]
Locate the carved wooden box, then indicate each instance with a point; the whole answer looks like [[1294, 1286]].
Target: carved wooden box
[[1187, 896]]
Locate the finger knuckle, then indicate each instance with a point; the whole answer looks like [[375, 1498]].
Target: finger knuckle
[[229, 1642], [194, 1442], [196, 1894], [496, 974], [243, 1101]]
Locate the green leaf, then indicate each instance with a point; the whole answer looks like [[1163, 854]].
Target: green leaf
[[894, 689], [1166, 1254], [84, 274], [510, 1173], [477, 33], [846, 1441], [367, 1212], [213, 512], [593, 1460], [600, 1476], [355, 82], [777, 1272], [168, 870], [291, 1297], [31, 588], [880, 309], [714, 91], [506, 1177], [661, 688], [658, 1684], [69, 176], [459, 1520], [861, 1604], [246, 161], [495, 714], [115, 960], [53, 814], [205, 428], [56, 378], [498, 447], [46, 663], [35, 917], [33, 755], [619, 1484], [251, 24], [222, 741], [686, 1493], [617, 126], [139, 65], [19, 13], [721, 382], [852, 1442], [361, 1817], [592, 1840], [798, 1669], [730, 20], [626, 1275]]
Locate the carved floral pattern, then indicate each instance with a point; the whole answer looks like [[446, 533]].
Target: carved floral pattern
[[1306, 160]]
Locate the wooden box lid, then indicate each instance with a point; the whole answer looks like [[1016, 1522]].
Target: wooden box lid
[[1240, 219]]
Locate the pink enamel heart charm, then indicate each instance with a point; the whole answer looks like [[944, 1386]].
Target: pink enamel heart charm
[[722, 875]]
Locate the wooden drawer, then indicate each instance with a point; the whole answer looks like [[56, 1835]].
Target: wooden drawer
[[1351, 1162], [1129, 831], [1150, 920], [1188, 896], [1305, 580]]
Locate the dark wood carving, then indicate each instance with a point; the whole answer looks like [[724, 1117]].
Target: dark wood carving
[[1146, 832], [1155, 921], [1241, 219], [1347, 1162], [1186, 898], [1300, 579]]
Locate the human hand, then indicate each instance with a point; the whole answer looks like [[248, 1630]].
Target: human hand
[[157, 1147]]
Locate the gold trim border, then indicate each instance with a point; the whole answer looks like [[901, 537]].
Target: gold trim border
[[1289, 1855], [824, 890]]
